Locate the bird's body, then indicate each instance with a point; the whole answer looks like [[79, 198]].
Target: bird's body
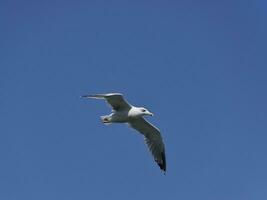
[[123, 112], [123, 116]]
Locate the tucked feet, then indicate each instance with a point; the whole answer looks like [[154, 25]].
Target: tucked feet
[[105, 119]]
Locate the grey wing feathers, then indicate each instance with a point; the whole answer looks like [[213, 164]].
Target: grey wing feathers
[[153, 140], [116, 100]]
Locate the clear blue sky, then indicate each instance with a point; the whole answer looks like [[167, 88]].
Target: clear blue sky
[[200, 67]]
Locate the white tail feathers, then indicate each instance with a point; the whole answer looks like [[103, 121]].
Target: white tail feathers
[[105, 119]]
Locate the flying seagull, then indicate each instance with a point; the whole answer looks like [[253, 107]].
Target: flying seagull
[[123, 112]]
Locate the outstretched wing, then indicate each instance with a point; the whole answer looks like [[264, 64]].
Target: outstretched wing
[[153, 140], [116, 100]]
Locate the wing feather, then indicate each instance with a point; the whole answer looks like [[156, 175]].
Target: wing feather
[[116, 100], [153, 140]]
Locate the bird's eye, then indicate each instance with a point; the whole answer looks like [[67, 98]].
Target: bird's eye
[[143, 110]]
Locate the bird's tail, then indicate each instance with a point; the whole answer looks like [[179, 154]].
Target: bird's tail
[[105, 119]]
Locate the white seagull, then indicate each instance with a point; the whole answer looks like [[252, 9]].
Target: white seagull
[[123, 112]]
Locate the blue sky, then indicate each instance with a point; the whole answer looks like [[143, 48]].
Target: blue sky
[[200, 67]]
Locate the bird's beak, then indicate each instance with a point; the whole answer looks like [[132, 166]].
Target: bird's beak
[[151, 114]]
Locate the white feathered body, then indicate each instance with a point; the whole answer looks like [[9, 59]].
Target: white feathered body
[[123, 116]]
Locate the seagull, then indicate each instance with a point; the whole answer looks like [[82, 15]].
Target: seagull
[[123, 112]]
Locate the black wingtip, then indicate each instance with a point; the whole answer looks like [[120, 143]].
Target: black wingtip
[[162, 167], [85, 96], [162, 164]]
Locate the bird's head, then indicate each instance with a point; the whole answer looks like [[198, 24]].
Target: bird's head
[[145, 111]]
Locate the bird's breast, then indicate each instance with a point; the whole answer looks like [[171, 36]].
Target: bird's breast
[[120, 118]]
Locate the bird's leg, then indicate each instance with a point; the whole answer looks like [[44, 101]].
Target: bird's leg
[[105, 119]]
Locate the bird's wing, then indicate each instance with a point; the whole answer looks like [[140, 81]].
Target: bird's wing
[[153, 140], [116, 100]]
